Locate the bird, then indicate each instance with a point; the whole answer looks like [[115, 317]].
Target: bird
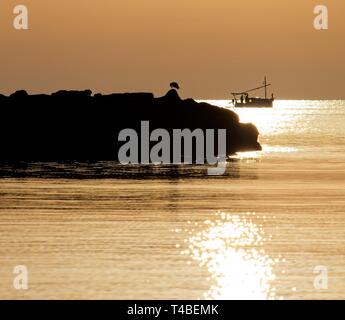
[[174, 85]]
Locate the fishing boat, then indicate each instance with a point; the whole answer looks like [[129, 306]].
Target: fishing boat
[[243, 100]]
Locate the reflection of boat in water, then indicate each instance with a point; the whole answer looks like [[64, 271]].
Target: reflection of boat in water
[[245, 101]]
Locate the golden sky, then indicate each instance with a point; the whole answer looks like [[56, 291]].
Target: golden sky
[[210, 47]]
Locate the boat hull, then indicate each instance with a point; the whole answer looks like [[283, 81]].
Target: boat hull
[[255, 103]]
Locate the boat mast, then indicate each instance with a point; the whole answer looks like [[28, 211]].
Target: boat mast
[[250, 90], [265, 84]]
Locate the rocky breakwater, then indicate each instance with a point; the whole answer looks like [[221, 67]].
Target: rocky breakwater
[[76, 125]]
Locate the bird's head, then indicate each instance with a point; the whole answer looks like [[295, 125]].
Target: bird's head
[[174, 85]]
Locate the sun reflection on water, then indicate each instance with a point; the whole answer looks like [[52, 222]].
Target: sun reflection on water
[[231, 248], [266, 150], [286, 115], [284, 123]]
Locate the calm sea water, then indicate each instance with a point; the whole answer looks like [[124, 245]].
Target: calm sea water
[[273, 227]]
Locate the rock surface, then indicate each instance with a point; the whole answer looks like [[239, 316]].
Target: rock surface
[[74, 125]]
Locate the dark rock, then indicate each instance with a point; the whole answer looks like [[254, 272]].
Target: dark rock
[[72, 93], [73, 125], [2, 98], [20, 94]]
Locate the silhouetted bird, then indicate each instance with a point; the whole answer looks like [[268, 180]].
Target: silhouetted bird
[[174, 85]]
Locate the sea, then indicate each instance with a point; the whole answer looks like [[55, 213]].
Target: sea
[[271, 227]]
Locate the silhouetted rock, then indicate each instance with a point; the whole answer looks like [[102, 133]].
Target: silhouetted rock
[[72, 93], [20, 94], [2, 98], [73, 125]]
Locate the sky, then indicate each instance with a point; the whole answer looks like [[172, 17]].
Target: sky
[[210, 48]]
